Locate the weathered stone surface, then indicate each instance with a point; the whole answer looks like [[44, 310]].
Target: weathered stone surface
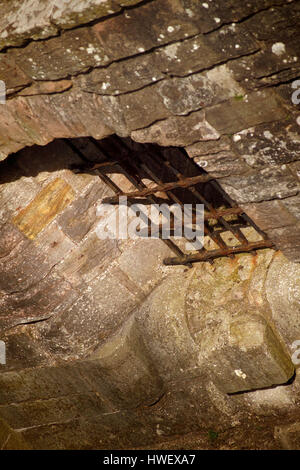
[[128, 112], [46, 88], [202, 52], [127, 369], [77, 434], [39, 119], [178, 130], [10, 440], [104, 304], [23, 267], [166, 335], [222, 164], [54, 59], [280, 400], [49, 18], [143, 262], [183, 95], [121, 77], [79, 218], [231, 335], [209, 147], [22, 350], [233, 361], [279, 19], [53, 410], [270, 214], [288, 239], [264, 68], [288, 436], [36, 302], [12, 75], [39, 19], [44, 208], [266, 184], [284, 299], [292, 204], [42, 383], [117, 37], [269, 144], [9, 238], [238, 114], [294, 168], [84, 264], [53, 241], [11, 199]]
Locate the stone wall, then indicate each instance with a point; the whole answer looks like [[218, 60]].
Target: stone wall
[[213, 77], [107, 348], [102, 338]]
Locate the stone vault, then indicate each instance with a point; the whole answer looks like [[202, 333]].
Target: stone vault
[[106, 346]]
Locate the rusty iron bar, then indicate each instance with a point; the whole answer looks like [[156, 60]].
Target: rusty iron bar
[[163, 187], [183, 182], [157, 180], [118, 191], [243, 214], [215, 236], [196, 257], [207, 215], [236, 232], [148, 171], [103, 165], [104, 178], [140, 185]]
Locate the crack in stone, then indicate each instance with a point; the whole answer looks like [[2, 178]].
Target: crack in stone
[[251, 15], [61, 30]]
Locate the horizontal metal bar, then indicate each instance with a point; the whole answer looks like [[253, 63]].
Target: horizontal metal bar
[[184, 183], [140, 185], [211, 254], [207, 214]]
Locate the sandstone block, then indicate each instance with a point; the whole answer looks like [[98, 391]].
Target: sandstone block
[[269, 214], [235, 115], [126, 368], [165, 331], [178, 130], [288, 436], [44, 208], [250, 358], [266, 184]]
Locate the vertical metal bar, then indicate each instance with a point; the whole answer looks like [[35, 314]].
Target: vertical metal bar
[[140, 185], [215, 237], [170, 193]]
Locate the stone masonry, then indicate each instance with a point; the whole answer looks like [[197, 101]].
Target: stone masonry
[[106, 347]]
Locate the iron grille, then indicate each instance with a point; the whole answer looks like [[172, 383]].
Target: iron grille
[[181, 181]]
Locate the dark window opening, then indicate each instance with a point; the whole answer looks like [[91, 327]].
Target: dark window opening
[[154, 171]]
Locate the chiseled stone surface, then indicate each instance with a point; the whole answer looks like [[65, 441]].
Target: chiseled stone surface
[[178, 130], [158, 358], [288, 436], [11, 440], [127, 367], [44, 208], [120, 351], [203, 72], [35, 19], [284, 300]]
